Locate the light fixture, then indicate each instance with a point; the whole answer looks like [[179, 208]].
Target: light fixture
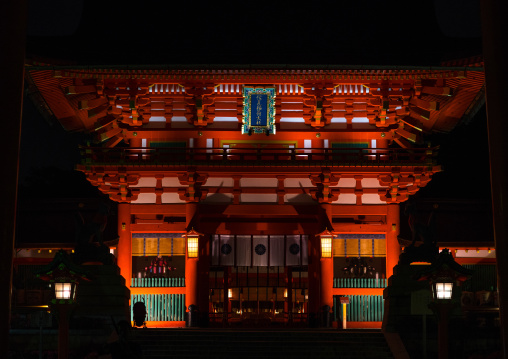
[[285, 292], [230, 293], [443, 290], [64, 275], [65, 290], [443, 274], [326, 243], [192, 243]]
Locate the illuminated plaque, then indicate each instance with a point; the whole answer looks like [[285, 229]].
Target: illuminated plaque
[[258, 110]]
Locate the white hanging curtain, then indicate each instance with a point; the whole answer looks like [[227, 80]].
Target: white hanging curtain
[[296, 250], [215, 250], [260, 255], [259, 251], [305, 250], [277, 251], [243, 251], [227, 250]]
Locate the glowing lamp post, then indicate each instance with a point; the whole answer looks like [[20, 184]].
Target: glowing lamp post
[[444, 273], [64, 276]]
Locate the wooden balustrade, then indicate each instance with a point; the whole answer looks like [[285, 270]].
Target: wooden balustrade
[[157, 282], [360, 282], [262, 156]]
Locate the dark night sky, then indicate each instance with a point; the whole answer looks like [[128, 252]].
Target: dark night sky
[[214, 32]]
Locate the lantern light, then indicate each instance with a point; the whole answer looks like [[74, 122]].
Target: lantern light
[[230, 293], [65, 290], [193, 243], [443, 290], [326, 243]]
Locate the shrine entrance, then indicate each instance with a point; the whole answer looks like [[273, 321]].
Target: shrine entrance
[[259, 294]]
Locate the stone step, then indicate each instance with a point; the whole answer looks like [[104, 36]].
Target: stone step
[[267, 344]]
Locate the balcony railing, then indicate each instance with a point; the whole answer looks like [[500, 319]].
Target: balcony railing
[[258, 156]]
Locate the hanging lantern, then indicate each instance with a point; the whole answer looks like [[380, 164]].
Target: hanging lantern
[[192, 243], [326, 243]]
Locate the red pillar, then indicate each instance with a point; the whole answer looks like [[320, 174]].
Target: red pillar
[[326, 268], [392, 243], [327, 282], [495, 52], [314, 269], [12, 40], [191, 264], [124, 250], [204, 279]]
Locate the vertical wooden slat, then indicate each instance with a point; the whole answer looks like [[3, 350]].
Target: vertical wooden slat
[[158, 306], [348, 308], [371, 309], [176, 303], [166, 307], [150, 296], [148, 307], [175, 306], [353, 308], [180, 306], [155, 307], [132, 303]]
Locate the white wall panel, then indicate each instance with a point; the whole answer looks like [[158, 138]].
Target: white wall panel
[[258, 197], [258, 182]]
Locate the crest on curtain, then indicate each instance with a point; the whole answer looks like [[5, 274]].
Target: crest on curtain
[[259, 250]]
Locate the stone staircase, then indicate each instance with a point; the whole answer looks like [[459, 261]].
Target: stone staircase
[[260, 344]]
